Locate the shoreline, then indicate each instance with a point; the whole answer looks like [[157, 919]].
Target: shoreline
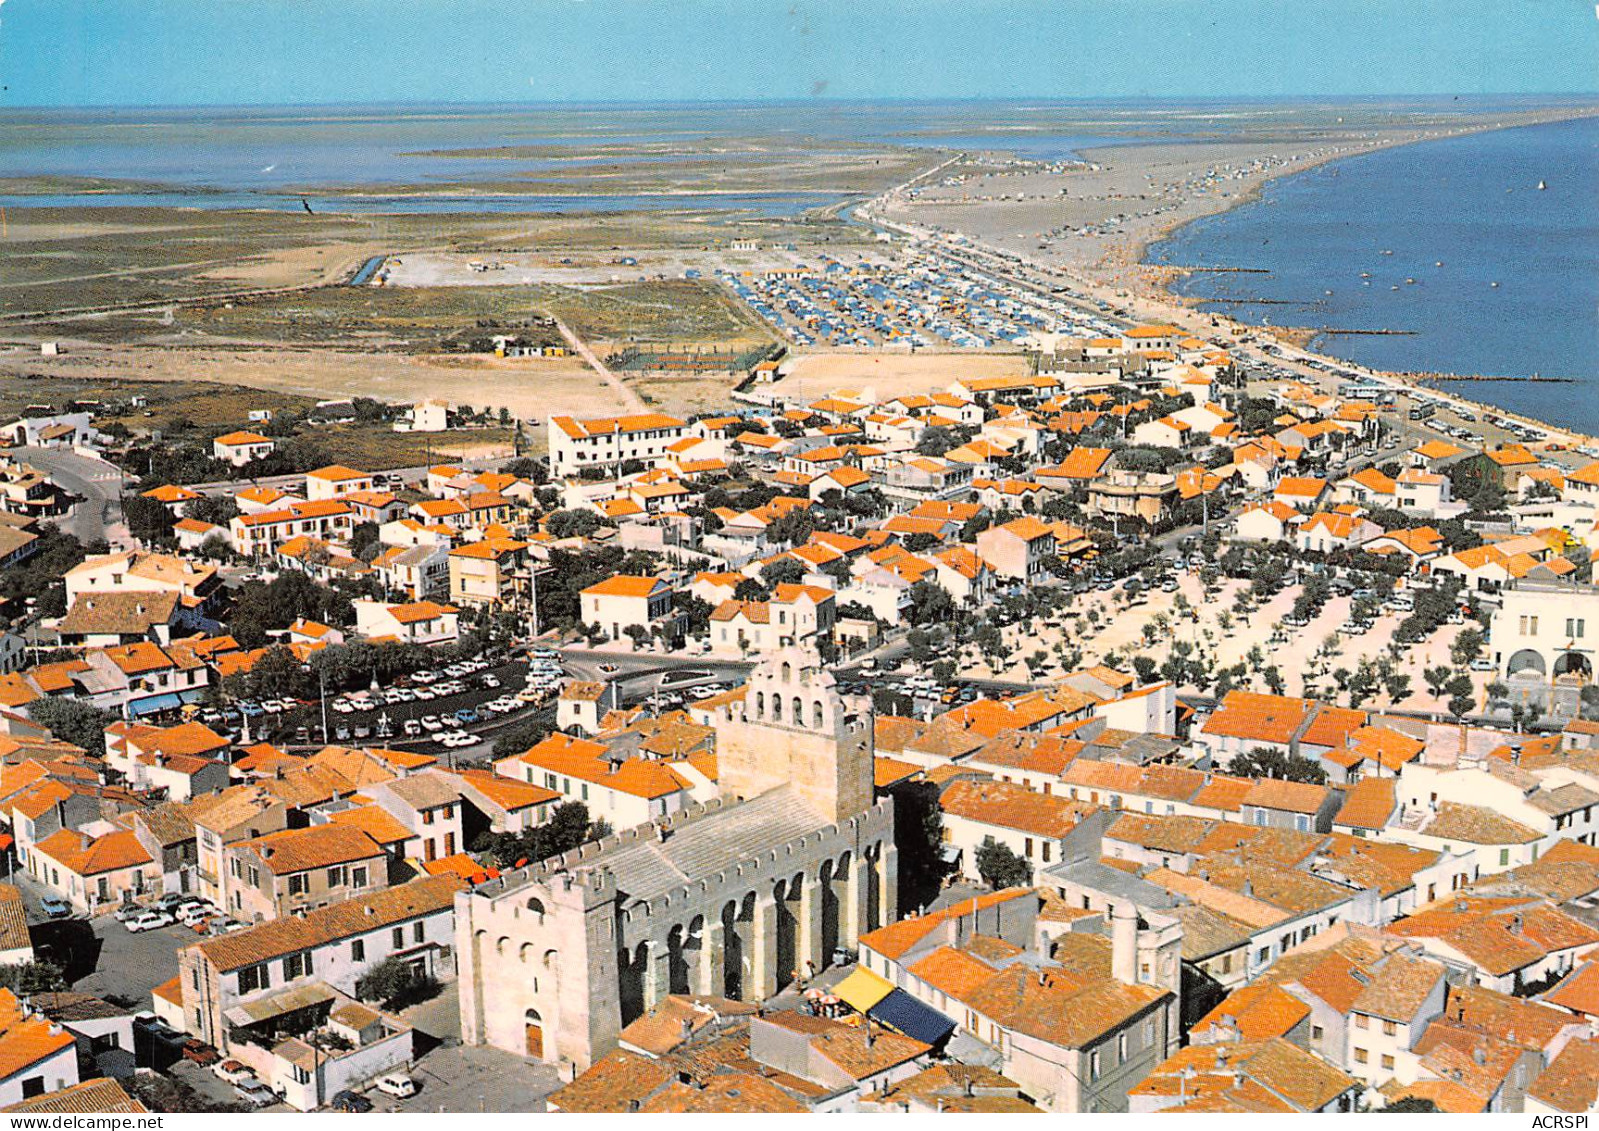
[[1300, 338], [1120, 276]]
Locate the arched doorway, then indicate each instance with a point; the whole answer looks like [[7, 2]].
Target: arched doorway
[[1527, 664], [1574, 665], [535, 1034]]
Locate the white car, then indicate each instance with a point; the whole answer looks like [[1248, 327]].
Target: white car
[[233, 1071], [431, 724], [344, 706], [398, 1085], [148, 921], [191, 913]]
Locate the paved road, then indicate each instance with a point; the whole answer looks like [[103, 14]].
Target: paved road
[[97, 483]]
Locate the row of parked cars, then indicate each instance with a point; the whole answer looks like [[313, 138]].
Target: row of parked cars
[[173, 907]]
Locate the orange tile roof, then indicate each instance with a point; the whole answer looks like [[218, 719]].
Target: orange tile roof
[[625, 585], [319, 846], [27, 1040], [1013, 806], [91, 856]]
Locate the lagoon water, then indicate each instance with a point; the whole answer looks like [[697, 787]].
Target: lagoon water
[[1470, 203]]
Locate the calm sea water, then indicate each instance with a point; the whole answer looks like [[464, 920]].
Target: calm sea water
[[1457, 216]]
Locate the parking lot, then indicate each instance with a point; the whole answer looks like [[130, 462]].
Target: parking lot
[[408, 713]]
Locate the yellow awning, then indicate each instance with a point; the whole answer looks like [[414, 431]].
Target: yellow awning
[[863, 989]]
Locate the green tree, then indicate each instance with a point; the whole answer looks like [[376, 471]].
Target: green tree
[[394, 984], [784, 571], [74, 721], [934, 441], [1000, 867], [148, 520], [37, 977], [1408, 1105], [219, 510], [1462, 696], [1271, 763], [1467, 647], [930, 604]]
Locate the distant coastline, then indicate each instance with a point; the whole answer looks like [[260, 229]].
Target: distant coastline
[[1511, 390]]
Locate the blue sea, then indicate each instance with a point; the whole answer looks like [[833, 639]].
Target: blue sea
[[1456, 216]]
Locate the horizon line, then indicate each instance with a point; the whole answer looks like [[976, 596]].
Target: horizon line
[[1551, 97]]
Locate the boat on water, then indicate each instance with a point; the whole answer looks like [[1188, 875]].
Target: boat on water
[[1387, 251], [1365, 274], [1542, 186], [1440, 263], [1493, 284], [1412, 282]]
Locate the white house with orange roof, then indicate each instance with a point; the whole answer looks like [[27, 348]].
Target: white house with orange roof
[[1020, 550], [1302, 492], [241, 448], [172, 496], [334, 480], [625, 602], [414, 622], [611, 441], [254, 500], [327, 519], [625, 794], [1154, 337], [1266, 521], [1427, 493], [1327, 531]]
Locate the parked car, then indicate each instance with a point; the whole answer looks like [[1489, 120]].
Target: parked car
[[1482, 664], [196, 1050], [233, 1071], [397, 1084], [58, 908], [349, 1101], [149, 921], [191, 913], [256, 1094]]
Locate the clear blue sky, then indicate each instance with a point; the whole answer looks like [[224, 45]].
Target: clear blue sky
[[208, 52]]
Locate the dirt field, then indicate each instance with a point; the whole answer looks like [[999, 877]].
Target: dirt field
[[531, 388], [889, 374]]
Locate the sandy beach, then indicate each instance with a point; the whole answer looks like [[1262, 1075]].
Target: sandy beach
[[1091, 223]]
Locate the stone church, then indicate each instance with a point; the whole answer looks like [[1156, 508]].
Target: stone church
[[733, 898]]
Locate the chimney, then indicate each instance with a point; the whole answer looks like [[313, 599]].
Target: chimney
[[1515, 924], [1221, 1059], [1479, 1056], [1124, 944]]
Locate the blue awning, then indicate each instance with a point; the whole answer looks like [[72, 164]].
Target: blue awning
[[169, 701], [919, 1022]]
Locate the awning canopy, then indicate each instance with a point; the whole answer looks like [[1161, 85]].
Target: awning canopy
[[276, 1005], [167, 701], [863, 989], [919, 1022]]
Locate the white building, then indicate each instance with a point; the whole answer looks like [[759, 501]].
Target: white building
[[610, 442]]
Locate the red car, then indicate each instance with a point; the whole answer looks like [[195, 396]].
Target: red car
[[201, 1053]]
